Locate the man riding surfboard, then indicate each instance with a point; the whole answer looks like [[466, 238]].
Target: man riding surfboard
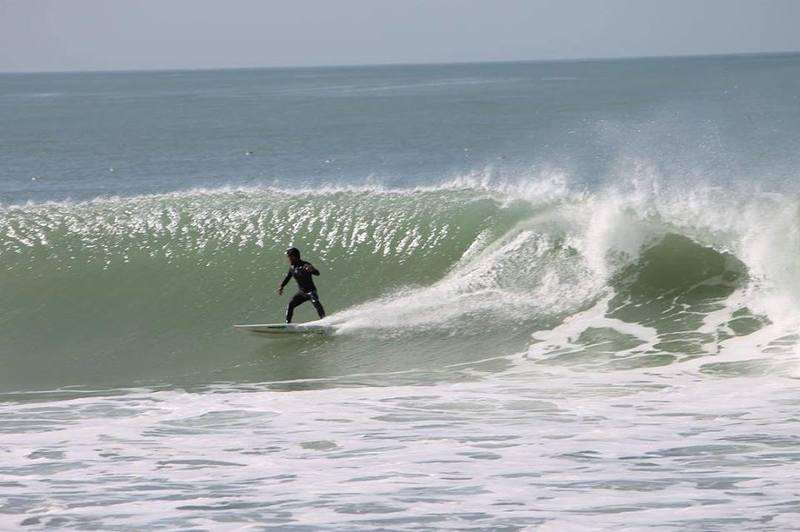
[[302, 272]]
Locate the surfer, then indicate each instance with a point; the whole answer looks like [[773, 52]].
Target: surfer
[[302, 272]]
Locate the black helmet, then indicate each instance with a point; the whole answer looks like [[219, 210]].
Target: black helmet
[[293, 252]]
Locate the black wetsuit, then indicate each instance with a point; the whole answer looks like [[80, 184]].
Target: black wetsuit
[[307, 292]]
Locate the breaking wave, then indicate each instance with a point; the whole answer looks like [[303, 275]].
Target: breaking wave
[[136, 287]]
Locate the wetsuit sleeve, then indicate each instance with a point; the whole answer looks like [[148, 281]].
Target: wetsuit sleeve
[[286, 279], [314, 271]]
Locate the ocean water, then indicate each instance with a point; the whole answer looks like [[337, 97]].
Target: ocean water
[[564, 296]]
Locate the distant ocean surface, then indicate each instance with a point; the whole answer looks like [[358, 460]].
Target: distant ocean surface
[[565, 295]]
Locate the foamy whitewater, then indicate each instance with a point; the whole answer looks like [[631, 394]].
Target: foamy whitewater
[[564, 297]]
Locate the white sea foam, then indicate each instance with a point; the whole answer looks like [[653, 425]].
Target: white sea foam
[[533, 448]]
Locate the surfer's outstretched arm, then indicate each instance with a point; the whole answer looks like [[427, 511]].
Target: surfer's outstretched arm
[[312, 269], [284, 282]]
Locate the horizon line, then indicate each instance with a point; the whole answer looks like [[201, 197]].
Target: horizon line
[[409, 63]]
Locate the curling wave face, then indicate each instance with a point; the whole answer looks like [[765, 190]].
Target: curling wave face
[[143, 290]]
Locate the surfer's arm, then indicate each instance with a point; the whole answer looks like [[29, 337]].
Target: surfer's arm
[[311, 269], [285, 282]]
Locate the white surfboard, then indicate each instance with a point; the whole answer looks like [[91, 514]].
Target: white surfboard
[[277, 329]]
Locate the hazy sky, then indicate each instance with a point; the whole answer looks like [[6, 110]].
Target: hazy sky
[[144, 34]]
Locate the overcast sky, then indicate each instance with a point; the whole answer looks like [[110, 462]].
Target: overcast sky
[[157, 34]]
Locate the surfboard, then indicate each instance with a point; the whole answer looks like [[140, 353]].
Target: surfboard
[[279, 329]]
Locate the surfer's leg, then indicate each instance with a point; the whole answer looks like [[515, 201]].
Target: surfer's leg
[[298, 298], [317, 305]]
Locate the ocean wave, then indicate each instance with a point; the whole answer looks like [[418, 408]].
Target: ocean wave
[[687, 271]]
